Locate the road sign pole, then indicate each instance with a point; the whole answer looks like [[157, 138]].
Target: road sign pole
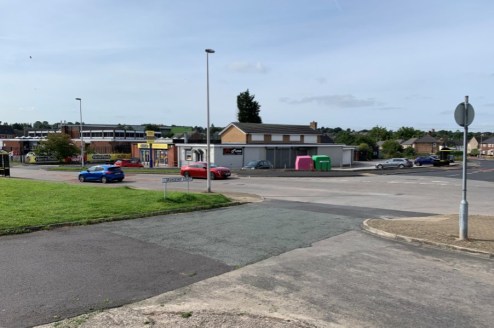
[[165, 190], [165, 181], [464, 203]]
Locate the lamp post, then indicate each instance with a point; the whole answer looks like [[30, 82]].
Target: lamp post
[[481, 135], [80, 131], [208, 136]]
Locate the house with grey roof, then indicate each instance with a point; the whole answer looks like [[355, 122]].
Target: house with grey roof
[[487, 146], [423, 145]]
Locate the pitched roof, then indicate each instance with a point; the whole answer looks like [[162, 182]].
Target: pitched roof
[[410, 141], [272, 128], [426, 139], [488, 141]]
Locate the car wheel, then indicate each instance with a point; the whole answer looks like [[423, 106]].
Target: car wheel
[[212, 176], [379, 167], [401, 166], [104, 180], [186, 174], [120, 180], [81, 178], [419, 164]]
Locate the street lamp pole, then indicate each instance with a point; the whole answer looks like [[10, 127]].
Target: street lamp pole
[[208, 134], [80, 131]]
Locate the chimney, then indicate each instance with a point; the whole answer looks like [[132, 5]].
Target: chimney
[[313, 125]]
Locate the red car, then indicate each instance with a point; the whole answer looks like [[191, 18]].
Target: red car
[[199, 169], [133, 162]]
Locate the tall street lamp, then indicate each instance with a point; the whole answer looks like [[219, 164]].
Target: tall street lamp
[[208, 134], [80, 131]]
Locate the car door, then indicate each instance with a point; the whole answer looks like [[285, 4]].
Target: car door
[[388, 163], [93, 173], [199, 170]]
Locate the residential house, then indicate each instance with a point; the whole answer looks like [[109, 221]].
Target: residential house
[[487, 147], [408, 143], [472, 144], [423, 145]]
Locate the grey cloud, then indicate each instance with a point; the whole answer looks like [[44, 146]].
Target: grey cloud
[[245, 67], [339, 101]]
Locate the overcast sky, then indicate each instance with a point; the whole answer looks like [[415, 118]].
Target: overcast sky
[[342, 63]]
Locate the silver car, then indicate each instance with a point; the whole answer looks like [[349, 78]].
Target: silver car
[[399, 163]]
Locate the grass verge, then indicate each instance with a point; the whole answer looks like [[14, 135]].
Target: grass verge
[[28, 205]]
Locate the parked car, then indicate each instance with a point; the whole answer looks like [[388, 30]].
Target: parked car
[[199, 169], [133, 162], [258, 165], [424, 160], [103, 173], [394, 163]]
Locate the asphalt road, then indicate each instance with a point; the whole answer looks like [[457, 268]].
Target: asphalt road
[[358, 278], [477, 170]]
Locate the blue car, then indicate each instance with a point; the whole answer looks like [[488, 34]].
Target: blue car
[[424, 160], [102, 173]]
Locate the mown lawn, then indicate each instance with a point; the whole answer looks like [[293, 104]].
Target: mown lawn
[[27, 205]]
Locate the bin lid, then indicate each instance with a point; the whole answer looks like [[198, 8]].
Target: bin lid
[[321, 157]]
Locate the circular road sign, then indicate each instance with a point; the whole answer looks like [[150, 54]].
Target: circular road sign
[[461, 118]]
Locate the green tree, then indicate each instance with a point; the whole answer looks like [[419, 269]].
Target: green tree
[[365, 151], [345, 137], [248, 108], [406, 133], [59, 145], [127, 127], [380, 133], [21, 126], [41, 125], [365, 138], [409, 152], [214, 130], [392, 148]]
